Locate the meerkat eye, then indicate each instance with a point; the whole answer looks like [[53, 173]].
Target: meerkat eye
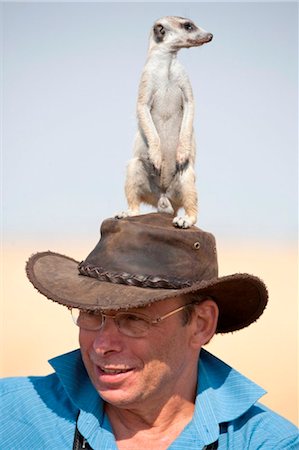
[[161, 29], [188, 26]]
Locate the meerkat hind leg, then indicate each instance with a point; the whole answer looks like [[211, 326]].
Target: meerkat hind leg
[[135, 187], [189, 200]]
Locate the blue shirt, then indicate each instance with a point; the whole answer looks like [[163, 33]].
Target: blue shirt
[[40, 412]]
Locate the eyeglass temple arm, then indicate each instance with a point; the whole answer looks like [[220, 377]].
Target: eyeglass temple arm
[[159, 319]]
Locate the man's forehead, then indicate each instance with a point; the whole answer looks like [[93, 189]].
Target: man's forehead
[[159, 304]]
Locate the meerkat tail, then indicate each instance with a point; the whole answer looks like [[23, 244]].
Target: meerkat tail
[[164, 205]]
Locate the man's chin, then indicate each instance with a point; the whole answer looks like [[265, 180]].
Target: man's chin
[[119, 389], [121, 400]]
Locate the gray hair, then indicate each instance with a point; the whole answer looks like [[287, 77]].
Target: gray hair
[[194, 299]]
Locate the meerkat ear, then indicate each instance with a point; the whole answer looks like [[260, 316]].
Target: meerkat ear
[[159, 32]]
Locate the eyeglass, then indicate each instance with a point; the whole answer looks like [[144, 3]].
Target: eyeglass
[[129, 324]]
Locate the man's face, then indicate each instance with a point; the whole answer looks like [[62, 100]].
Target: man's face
[[128, 371]]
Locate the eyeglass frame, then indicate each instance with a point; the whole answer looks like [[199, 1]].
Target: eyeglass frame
[[144, 317]]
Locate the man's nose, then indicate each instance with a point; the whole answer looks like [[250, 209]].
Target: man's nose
[[107, 338]]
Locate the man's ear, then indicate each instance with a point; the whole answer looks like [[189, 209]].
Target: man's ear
[[204, 323], [159, 32]]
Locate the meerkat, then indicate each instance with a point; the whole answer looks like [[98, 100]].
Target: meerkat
[[161, 172]]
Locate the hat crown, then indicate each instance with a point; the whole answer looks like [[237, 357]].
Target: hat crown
[[150, 246]]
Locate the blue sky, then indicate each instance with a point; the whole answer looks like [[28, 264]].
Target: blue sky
[[70, 78]]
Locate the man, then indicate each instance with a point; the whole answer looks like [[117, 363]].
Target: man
[[146, 300]]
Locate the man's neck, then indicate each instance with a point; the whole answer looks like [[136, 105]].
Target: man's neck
[[151, 428]]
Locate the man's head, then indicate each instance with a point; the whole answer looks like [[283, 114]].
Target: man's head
[[141, 357], [149, 297]]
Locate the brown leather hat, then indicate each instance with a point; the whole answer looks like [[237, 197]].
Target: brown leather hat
[[140, 260]]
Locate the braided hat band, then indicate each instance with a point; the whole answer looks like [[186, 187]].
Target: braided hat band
[[146, 281]]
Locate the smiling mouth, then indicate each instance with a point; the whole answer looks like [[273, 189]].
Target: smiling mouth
[[109, 371]]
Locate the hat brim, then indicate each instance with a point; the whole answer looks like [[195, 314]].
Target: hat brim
[[241, 298]]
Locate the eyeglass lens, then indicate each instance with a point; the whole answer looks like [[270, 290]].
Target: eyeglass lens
[[128, 323]]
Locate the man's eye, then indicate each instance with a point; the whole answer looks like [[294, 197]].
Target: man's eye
[[133, 318], [89, 317], [188, 26]]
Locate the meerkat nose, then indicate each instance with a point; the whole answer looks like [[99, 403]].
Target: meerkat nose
[[209, 37]]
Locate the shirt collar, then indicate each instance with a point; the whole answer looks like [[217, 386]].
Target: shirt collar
[[223, 394], [72, 374]]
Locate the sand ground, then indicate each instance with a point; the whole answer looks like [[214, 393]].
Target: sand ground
[[34, 329]]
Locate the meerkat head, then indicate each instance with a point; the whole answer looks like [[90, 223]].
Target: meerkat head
[[173, 33]]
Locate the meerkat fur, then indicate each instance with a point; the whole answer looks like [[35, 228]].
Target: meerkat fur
[[161, 172]]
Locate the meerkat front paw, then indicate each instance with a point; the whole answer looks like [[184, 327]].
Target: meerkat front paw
[[183, 222], [155, 157], [182, 158]]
